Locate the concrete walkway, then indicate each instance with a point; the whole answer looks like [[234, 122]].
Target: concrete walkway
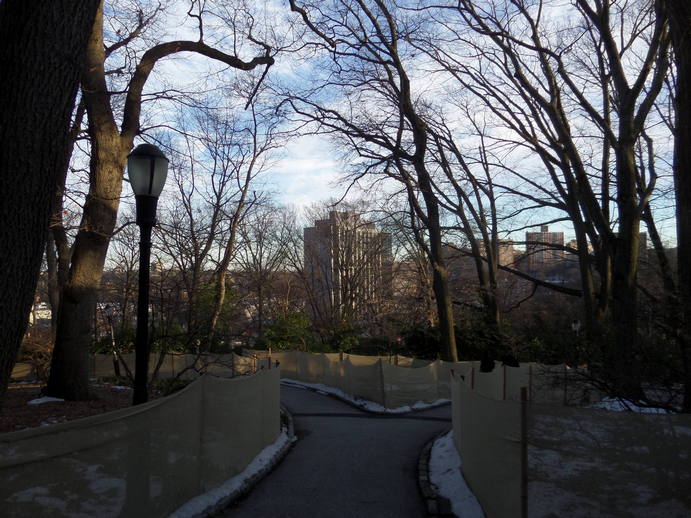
[[346, 463]]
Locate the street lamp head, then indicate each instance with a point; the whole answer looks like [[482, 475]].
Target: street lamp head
[[147, 168]]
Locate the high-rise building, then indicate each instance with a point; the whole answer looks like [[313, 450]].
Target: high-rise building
[[505, 251], [348, 265], [542, 248]]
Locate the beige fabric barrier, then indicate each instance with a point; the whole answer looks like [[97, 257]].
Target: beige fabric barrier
[[407, 386], [487, 435], [368, 377], [579, 462], [334, 374], [311, 367], [358, 360], [364, 379], [185, 366], [144, 461], [288, 363]]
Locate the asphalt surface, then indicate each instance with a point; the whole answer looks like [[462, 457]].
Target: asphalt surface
[[346, 463]]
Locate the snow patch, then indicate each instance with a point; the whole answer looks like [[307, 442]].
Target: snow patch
[[369, 406], [624, 405], [445, 475], [201, 504], [45, 399]]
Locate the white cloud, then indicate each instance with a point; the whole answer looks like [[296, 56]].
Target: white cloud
[[308, 172]]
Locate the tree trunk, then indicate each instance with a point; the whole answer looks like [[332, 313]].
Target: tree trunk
[[41, 49], [69, 375], [621, 358], [440, 282], [679, 15]]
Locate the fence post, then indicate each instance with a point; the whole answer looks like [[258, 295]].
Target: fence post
[[503, 395], [530, 380], [381, 383], [524, 452]]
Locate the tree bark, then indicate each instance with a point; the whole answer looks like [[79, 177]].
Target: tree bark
[[41, 48], [679, 16], [69, 373]]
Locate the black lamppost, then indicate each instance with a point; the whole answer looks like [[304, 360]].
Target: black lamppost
[[147, 168]]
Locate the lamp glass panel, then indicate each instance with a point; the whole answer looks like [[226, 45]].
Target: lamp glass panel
[[160, 174], [138, 172]]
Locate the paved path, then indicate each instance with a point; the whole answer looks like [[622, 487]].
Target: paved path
[[346, 463]]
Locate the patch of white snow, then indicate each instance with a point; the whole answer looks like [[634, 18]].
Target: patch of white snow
[[364, 404], [41, 400], [445, 474], [623, 405], [201, 504]]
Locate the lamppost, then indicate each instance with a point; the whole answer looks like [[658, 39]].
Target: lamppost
[[147, 168]]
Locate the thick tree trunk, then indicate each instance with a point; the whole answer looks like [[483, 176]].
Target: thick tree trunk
[[440, 282], [679, 15], [622, 361], [69, 374], [41, 49]]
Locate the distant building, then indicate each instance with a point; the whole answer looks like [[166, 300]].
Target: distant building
[[505, 251], [544, 249], [348, 265]]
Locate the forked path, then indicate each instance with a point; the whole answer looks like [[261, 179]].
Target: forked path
[[346, 463]]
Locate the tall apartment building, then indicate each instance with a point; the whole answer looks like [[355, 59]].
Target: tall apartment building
[[505, 251], [348, 264], [539, 253]]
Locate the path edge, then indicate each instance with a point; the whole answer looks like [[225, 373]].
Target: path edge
[[287, 383], [223, 505], [435, 504]]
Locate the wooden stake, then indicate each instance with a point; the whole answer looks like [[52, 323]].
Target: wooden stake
[[524, 452]]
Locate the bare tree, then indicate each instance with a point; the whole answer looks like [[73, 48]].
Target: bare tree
[[110, 142], [377, 114], [261, 260], [551, 90]]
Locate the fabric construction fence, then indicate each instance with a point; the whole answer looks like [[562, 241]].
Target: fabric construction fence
[[144, 461], [396, 381], [526, 458], [167, 365], [184, 366], [369, 377]]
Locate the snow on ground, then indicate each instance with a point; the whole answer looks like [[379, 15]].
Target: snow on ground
[[623, 405], [445, 475], [41, 400], [201, 504], [369, 406]]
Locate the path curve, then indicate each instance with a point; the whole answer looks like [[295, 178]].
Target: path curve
[[346, 463]]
